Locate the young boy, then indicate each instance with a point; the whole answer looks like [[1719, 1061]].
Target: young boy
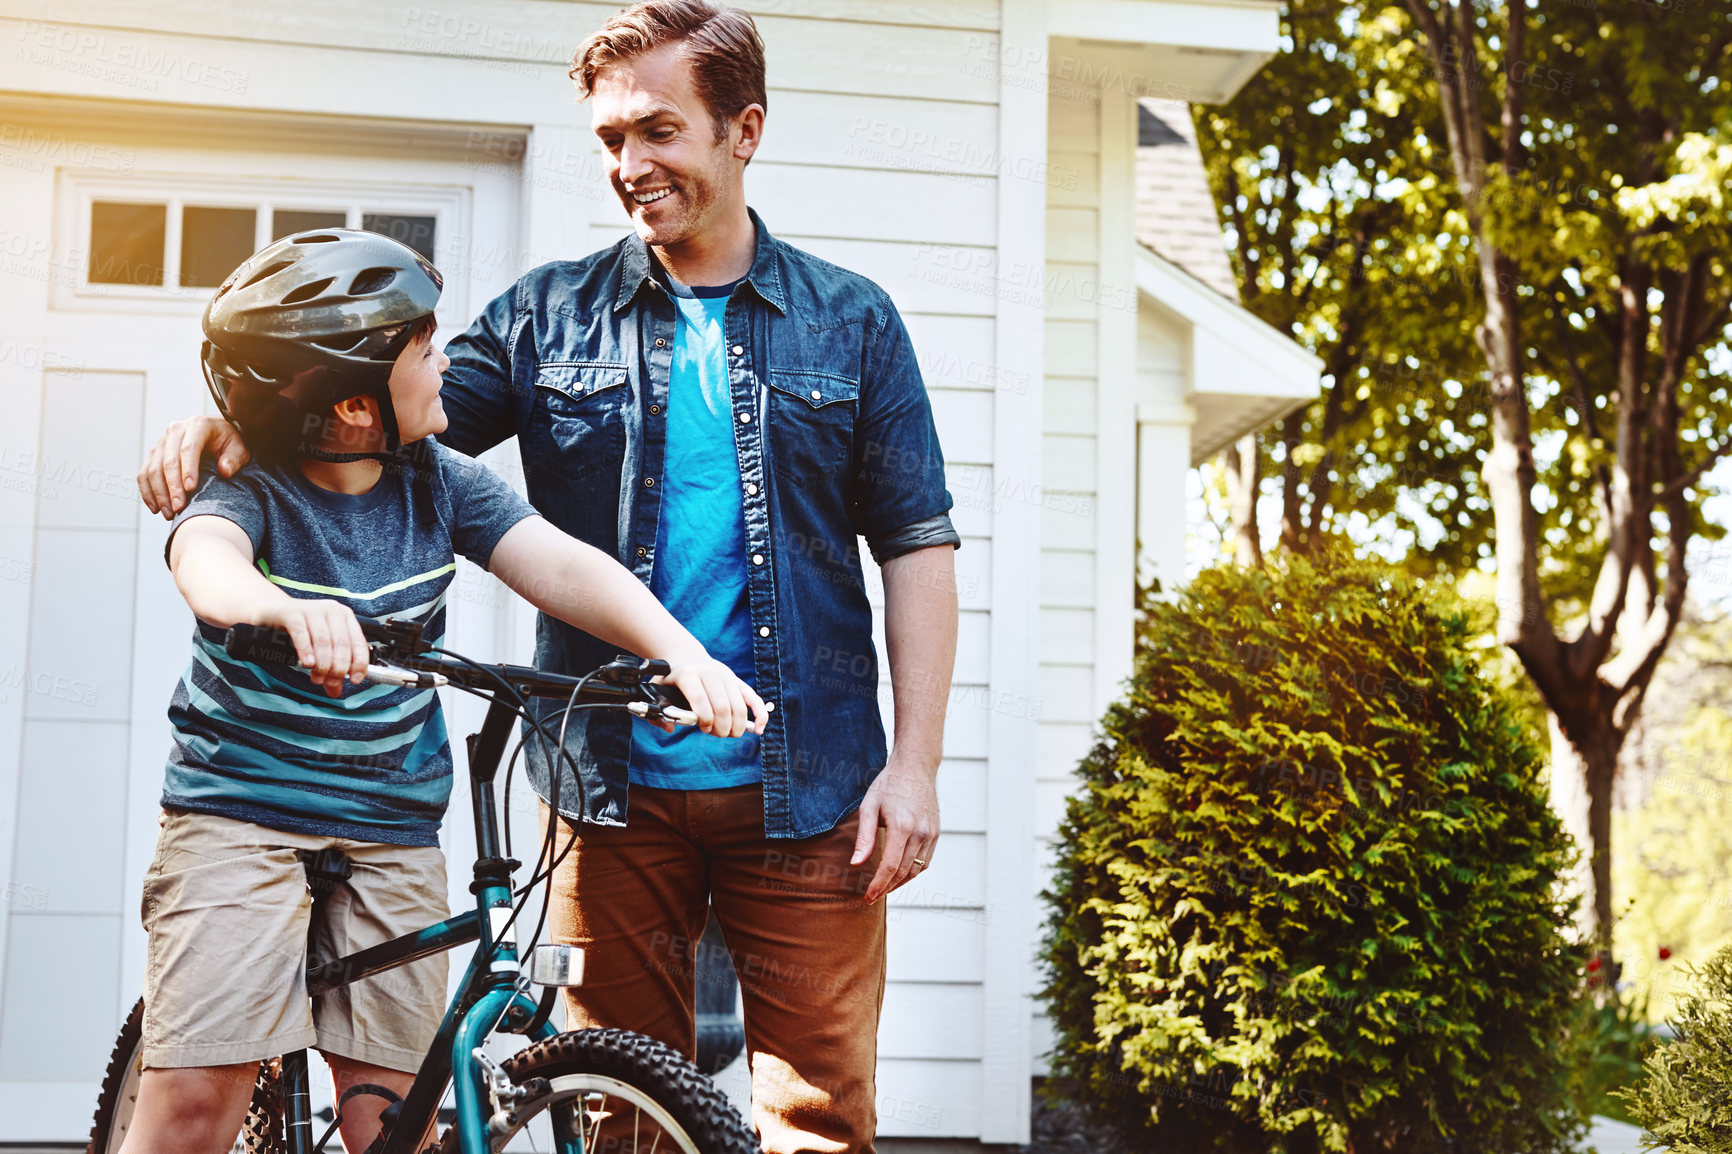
[[320, 348]]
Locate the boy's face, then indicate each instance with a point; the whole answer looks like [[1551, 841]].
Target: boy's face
[[415, 381], [663, 159]]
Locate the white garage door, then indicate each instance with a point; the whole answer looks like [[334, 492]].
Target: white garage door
[[105, 634]]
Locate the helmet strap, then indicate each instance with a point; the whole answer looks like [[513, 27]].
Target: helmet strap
[[388, 416]]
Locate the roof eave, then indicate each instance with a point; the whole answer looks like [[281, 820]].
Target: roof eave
[[1274, 376]]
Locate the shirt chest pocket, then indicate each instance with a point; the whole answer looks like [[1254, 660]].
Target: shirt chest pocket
[[584, 407], [811, 429]]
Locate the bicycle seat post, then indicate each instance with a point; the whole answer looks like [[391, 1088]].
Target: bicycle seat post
[[297, 1104]]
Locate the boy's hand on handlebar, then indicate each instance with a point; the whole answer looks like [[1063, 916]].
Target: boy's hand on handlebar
[[170, 470], [724, 705], [328, 640]]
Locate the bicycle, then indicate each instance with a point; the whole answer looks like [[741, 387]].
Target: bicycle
[[578, 1080]]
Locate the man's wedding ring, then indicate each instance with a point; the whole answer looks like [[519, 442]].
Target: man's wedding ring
[[919, 861]]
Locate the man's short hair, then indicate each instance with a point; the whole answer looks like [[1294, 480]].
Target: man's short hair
[[722, 44]]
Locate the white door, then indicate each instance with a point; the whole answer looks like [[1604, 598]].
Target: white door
[[103, 633]]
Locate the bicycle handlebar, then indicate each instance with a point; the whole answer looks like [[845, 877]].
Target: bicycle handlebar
[[624, 682]]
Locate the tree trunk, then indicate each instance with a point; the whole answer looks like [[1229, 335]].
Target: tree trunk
[[1584, 769], [1244, 477]]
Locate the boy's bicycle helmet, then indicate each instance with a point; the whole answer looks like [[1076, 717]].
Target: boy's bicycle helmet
[[308, 321]]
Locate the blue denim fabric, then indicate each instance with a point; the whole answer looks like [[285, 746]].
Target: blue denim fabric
[[835, 440]]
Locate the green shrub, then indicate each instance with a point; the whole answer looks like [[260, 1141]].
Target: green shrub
[[1305, 894], [1685, 1100], [1612, 1039]]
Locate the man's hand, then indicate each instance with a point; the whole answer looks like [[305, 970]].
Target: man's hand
[[903, 798], [920, 633], [170, 470]]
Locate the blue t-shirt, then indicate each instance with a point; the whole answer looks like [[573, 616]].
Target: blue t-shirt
[[700, 567], [264, 744]]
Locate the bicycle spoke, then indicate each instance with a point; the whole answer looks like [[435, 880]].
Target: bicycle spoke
[[595, 1106]]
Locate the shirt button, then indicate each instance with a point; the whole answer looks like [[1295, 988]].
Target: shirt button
[[649, 482], [751, 490], [738, 349], [816, 395], [763, 631], [745, 418], [655, 409], [757, 558], [642, 552], [660, 341]]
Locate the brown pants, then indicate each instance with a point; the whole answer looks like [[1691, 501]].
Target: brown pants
[[808, 950]]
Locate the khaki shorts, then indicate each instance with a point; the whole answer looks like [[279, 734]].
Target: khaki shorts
[[228, 912]]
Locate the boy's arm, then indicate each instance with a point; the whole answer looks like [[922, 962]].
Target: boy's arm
[[212, 561], [581, 585]]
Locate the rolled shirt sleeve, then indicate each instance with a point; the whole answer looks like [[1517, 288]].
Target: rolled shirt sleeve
[[899, 500]]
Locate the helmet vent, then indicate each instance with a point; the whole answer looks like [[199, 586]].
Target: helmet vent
[[308, 291], [269, 270], [371, 281], [322, 238]]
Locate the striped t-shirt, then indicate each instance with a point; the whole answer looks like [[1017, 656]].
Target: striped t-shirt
[[264, 744]]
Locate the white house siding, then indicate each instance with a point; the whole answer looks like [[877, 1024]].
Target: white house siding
[[1069, 514], [1100, 376], [883, 154]]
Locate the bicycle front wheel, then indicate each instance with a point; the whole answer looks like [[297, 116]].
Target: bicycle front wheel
[[619, 1091]]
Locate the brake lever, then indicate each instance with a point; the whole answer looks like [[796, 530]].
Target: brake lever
[[409, 678], [671, 713]]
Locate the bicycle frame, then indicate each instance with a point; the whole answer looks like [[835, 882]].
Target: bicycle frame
[[488, 997]]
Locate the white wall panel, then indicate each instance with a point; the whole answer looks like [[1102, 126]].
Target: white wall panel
[[936, 946], [929, 1098], [931, 1020]]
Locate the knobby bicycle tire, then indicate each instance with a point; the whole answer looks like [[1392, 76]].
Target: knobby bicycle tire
[[263, 1129], [590, 1062]]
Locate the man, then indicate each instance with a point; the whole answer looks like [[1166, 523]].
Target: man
[[725, 414]]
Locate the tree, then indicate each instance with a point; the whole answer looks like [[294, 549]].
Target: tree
[[1333, 223], [1518, 283], [1611, 288]]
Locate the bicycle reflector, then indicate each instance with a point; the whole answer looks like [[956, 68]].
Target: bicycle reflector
[[556, 965]]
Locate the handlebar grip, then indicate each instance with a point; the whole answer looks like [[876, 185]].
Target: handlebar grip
[[261, 645], [671, 695]]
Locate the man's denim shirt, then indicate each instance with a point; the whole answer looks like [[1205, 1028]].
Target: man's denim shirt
[[835, 441]]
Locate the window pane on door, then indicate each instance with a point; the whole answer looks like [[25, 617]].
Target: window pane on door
[[285, 221], [414, 231], [126, 242], [213, 243]]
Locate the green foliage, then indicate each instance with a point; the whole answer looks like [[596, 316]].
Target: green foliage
[[1344, 232], [1304, 898], [1672, 859], [1686, 1100], [1609, 1041], [1347, 230]]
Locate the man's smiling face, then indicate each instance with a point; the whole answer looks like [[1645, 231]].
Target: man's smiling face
[[667, 167]]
